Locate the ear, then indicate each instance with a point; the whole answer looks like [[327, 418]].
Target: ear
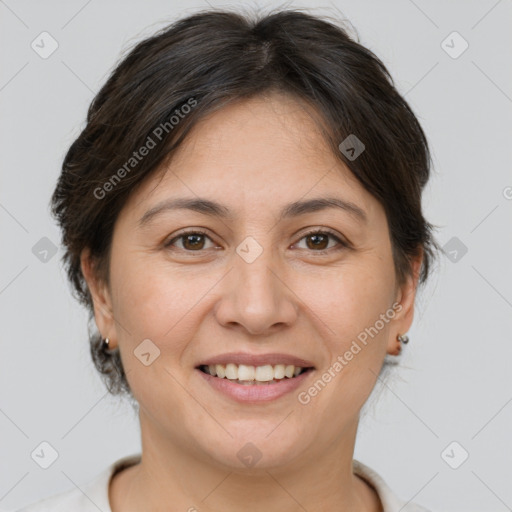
[[405, 296], [102, 301]]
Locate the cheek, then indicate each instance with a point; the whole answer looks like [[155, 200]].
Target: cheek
[[356, 312], [349, 298], [151, 301], [157, 302]]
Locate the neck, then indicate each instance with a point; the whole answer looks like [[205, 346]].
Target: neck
[[175, 477]]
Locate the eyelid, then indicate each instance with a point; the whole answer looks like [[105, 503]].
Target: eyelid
[[342, 241], [181, 234]]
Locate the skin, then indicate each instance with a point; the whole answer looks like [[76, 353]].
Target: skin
[[254, 157]]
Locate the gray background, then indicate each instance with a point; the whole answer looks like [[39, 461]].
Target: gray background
[[454, 381]]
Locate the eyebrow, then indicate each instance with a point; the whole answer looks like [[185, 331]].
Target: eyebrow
[[215, 209]]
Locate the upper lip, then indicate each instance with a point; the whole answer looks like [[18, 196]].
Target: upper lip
[[257, 359]]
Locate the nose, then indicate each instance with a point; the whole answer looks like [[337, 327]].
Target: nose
[[256, 297]]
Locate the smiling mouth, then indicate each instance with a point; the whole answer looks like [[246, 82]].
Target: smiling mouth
[[254, 375]]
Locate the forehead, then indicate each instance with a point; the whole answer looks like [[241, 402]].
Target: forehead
[[281, 131], [255, 154]]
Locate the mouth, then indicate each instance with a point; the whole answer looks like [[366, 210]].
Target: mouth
[[251, 384], [248, 375]]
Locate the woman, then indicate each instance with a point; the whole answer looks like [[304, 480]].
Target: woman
[[242, 217]]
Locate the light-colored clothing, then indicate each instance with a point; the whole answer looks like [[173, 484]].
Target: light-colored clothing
[[94, 497]]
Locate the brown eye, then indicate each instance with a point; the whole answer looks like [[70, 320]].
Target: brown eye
[[192, 241], [318, 241]]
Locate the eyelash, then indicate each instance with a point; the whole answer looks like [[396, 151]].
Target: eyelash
[[342, 243]]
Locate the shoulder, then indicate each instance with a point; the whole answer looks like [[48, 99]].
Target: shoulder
[[69, 501], [91, 497], [390, 501]]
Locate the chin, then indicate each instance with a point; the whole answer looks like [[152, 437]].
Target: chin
[[256, 447]]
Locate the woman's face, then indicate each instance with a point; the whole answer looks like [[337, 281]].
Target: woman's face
[[254, 284]]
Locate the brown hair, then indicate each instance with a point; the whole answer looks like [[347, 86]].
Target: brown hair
[[198, 64]]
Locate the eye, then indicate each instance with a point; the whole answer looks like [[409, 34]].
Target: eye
[[192, 241], [318, 240]]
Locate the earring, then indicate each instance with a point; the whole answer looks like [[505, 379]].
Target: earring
[[401, 338], [105, 343]]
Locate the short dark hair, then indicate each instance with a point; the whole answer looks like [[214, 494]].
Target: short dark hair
[[201, 63]]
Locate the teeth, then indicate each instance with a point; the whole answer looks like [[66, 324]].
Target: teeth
[[288, 371], [264, 373], [246, 374], [231, 371], [279, 371], [220, 370]]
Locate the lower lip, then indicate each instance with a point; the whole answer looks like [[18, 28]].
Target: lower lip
[[255, 393]]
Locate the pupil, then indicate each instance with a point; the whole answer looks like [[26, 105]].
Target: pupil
[[191, 237], [316, 237]]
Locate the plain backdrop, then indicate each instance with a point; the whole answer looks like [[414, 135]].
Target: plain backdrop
[[450, 398]]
